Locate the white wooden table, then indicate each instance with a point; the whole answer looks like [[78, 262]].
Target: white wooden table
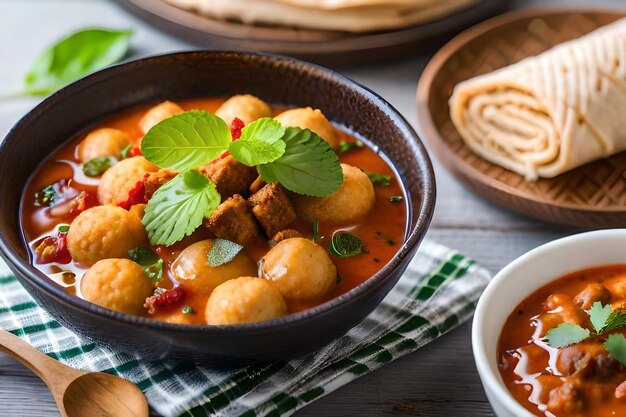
[[438, 380]]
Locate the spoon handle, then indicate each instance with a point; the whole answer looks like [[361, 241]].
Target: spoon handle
[[46, 368]]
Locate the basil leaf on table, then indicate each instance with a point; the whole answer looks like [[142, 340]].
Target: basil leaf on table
[[178, 207], [76, 55], [309, 166], [260, 143], [186, 140]]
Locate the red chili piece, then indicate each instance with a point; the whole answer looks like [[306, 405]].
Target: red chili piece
[[53, 249], [165, 300], [135, 151], [137, 195], [235, 131]]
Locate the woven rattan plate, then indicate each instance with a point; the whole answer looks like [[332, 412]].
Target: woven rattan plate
[[590, 196]]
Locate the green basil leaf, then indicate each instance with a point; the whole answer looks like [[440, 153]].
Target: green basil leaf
[[309, 166], [78, 54], [97, 166], [149, 260], [186, 140], [599, 315], [566, 334], [616, 346], [260, 143], [378, 179], [178, 207], [222, 252], [345, 245]]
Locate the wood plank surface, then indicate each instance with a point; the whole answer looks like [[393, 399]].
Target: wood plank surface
[[439, 379]]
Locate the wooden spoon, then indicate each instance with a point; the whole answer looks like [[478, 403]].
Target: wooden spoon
[[77, 393]]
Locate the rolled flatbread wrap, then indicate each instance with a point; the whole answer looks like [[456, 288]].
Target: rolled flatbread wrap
[[550, 113]]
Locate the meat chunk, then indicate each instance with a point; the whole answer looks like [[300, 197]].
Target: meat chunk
[[567, 399], [620, 391], [591, 294], [283, 235], [588, 360], [233, 220], [272, 208], [229, 176], [154, 180]]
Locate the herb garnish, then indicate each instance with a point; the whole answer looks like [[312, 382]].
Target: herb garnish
[[386, 238], [260, 143], [45, 197], [222, 252], [378, 179], [125, 153], [396, 199], [97, 166], [316, 231], [149, 260], [348, 146], [177, 208], [188, 310], [76, 55], [603, 320], [64, 228], [345, 245]]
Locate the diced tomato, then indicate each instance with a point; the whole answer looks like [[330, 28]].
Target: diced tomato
[[53, 249], [135, 151], [165, 300], [235, 131], [137, 195]]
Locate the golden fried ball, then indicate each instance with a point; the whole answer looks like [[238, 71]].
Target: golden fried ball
[[104, 232], [245, 107], [103, 142], [122, 177], [314, 120], [300, 269], [244, 300], [354, 199], [191, 268], [117, 284], [159, 113]]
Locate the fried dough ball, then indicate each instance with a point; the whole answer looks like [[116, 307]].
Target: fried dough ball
[[191, 268], [104, 232], [314, 120], [354, 199], [103, 142], [300, 269], [122, 177], [245, 107], [159, 113], [244, 300], [117, 284]]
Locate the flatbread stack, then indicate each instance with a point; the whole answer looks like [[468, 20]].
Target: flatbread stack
[[331, 15], [551, 113]]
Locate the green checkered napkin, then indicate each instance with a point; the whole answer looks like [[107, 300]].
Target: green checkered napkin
[[437, 293]]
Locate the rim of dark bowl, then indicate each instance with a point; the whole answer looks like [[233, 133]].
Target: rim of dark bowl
[[422, 216]]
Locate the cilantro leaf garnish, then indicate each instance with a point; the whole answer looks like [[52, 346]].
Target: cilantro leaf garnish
[[345, 245], [378, 179], [566, 334], [97, 166], [149, 260], [222, 252], [178, 207], [616, 346], [186, 140], [260, 143], [616, 320], [598, 315], [309, 166]]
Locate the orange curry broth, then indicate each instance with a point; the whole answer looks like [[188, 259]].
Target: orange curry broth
[[529, 367], [382, 231]]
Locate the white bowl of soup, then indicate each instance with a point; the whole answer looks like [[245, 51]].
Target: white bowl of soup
[[523, 367]]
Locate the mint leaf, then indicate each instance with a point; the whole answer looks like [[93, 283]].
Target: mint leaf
[[260, 142], [178, 207], [345, 245], [222, 252], [186, 140], [616, 320], [307, 167], [566, 334], [97, 166], [76, 55], [616, 346], [599, 315], [378, 179], [149, 260]]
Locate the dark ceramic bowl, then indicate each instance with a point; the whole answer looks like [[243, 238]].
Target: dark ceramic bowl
[[278, 80]]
